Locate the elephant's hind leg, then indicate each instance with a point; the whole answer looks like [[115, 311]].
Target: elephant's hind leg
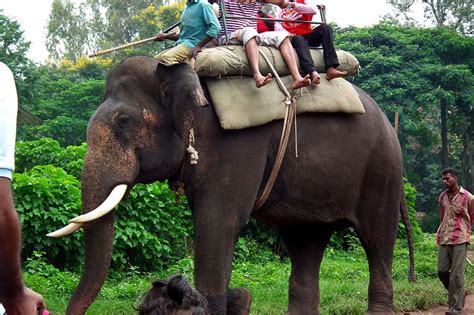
[[306, 246], [377, 235]]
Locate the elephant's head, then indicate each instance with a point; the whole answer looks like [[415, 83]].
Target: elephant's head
[[137, 135]]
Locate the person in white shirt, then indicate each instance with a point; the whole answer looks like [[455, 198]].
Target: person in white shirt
[[14, 295]]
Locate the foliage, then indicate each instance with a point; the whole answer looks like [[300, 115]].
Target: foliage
[[13, 50], [152, 229], [49, 152], [457, 14], [67, 30], [65, 111], [45, 198], [410, 194], [74, 29], [414, 89]]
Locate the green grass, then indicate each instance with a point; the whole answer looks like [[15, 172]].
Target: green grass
[[343, 284]]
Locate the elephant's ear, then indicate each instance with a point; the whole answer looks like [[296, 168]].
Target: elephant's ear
[[173, 77]]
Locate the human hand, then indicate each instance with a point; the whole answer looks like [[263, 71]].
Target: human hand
[[160, 37], [27, 303], [195, 51]]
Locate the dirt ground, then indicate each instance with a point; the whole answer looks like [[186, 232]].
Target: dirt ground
[[440, 310]]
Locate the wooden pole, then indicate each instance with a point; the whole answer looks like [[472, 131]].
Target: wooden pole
[[396, 123], [124, 46]]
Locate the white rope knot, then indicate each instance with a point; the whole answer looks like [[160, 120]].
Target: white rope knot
[[193, 153], [288, 101]]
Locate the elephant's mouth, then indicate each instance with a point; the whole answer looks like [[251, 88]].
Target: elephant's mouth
[[108, 205]]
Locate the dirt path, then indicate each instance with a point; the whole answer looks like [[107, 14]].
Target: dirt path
[[440, 310]]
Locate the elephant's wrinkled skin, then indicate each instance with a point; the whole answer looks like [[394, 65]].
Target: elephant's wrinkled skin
[[348, 173]]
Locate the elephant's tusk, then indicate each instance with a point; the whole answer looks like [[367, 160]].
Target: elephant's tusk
[[108, 205], [68, 229]]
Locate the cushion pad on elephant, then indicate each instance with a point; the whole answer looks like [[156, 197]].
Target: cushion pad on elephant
[[231, 60], [239, 104]]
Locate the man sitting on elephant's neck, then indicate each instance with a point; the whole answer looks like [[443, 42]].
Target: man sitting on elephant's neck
[[243, 31], [199, 25]]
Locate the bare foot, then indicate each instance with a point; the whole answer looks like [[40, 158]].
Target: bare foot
[[301, 82], [315, 78], [261, 80], [332, 73]]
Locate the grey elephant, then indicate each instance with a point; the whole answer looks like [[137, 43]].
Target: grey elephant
[[348, 174]]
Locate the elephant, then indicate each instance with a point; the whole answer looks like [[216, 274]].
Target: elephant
[[348, 173]]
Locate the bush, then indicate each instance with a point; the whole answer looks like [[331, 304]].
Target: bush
[[47, 151], [152, 229], [410, 193], [46, 197]]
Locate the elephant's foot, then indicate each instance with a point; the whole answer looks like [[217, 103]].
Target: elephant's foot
[[380, 310], [238, 301]]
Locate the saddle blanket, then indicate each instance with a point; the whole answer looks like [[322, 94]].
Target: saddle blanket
[[240, 104], [231, 60]]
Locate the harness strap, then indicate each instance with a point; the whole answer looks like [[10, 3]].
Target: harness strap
[[290, 113]]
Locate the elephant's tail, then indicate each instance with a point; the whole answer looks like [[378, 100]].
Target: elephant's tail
[[409, 231]]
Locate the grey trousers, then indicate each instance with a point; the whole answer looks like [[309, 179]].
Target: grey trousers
[[451, 262]]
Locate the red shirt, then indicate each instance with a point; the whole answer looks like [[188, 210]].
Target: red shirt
[[263, 26], [296, 28], [457, 216]]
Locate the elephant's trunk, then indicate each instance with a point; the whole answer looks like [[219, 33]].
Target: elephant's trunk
[[98, 237], [98, 180]]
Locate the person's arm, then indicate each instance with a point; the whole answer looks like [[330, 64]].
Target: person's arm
[[171, 36], [213, 28], [441, 208], [11, 283]]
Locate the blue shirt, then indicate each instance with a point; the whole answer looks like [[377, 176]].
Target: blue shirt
[[197, 21]]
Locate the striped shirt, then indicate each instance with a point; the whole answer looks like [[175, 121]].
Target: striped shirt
[[240, 10], [457, 216]]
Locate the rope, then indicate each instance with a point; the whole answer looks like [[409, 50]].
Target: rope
[[285, 135]]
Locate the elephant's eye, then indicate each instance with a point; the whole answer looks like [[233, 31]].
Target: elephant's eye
[[123, 119]]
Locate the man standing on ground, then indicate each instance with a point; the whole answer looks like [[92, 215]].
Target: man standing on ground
[[453, 237], [15, 297]]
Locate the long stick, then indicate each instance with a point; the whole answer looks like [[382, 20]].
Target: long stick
[[146, 40]]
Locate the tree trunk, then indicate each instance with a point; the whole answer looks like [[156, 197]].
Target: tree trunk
[[444, 134], [468, 163]]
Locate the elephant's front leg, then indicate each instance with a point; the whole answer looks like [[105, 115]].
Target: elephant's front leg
[[216, 231]]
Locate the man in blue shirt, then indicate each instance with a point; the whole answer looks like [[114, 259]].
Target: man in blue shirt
[[199, 25]]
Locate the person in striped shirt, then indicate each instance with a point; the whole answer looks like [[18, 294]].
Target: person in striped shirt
[[241, 31], [453, 236]]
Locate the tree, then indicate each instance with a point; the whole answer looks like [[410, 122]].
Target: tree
[[456, 14], [13, 50], [408, 70], [93, 25]]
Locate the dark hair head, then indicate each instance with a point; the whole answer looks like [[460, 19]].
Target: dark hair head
[[167, 297], [451, 171]]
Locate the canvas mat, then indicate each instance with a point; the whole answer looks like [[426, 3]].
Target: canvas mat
[[239, 104], [231, 60]]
